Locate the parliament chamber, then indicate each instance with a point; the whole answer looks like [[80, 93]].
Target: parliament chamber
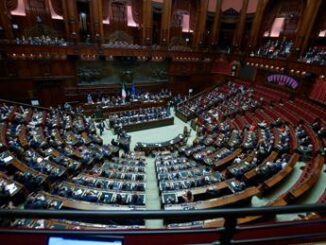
[[162, 122]]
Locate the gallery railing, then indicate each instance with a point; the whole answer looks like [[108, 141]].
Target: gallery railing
[[227, 232]]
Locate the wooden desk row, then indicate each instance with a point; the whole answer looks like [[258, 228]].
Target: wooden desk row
[[69, 225], [13, 187], [228, 171], [277, 178], [22, 167], [312, 177], [220, 164], [219, 222], [83, 205], [253, 173], [103, 170], [96, 179], [90, 109], [216, 202], [213, 178], [146, 125], [148, 147], [314, 140], [75, 186]]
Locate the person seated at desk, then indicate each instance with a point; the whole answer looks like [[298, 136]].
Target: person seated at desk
[[38, 202], [270, 168], [28, 180], [67, 107], [238, 159], [79, 181], [118, 199], [77, 194], [90, 196], [188, 197], [304, 141], [316, 125], [306, 151], [237, 186], [168, 186], [262, 125], [63, 191], [263, 150], [53, 173], [170, 200], [283, 147], [201, 181], [4, 195], [114, 186], [125, 186], [277, 123], [300, 132], [135, 199], [86, 157], [138, 187], [15, 146]]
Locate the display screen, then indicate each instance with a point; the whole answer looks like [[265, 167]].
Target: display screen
[[75, 241], [35, 103]]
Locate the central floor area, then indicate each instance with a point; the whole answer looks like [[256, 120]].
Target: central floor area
[[161, 134], [155, 135]]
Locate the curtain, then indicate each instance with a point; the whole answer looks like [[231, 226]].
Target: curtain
[[57, 7], [119, 12], [136, 7], [11, 4], [105, 9]]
